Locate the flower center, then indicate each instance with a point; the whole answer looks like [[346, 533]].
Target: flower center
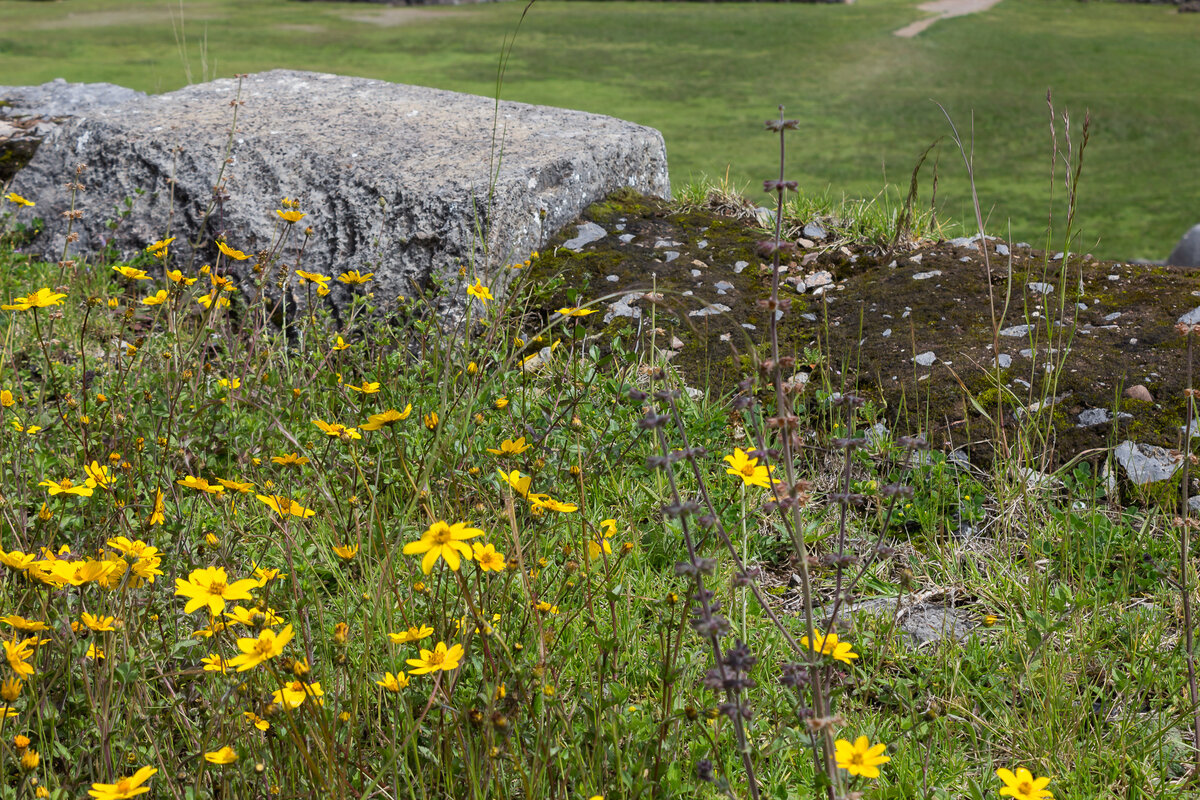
[[857, 759], [748, 470], [441, 535], [1025, 789], [66, 483], [437, 657], [218, 588], [263, 647], [123, 787]]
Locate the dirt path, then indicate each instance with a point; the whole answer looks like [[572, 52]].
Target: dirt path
[[944, 9]]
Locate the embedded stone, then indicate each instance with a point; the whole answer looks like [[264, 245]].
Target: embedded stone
[[394, 179]]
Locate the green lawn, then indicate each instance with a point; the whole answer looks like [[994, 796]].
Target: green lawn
[[707, 74]]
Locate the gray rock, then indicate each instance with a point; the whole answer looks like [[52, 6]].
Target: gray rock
[[1016, 331], [28, 114], [1002, 249], [395, 179], [1099, 416], [626, 238], [710, 310], [723, 286], [1145, 463], [738, 266], [1192, 317], [671, 255], [920, 624], [813, 230], [624, 307], [924, 276], [821, 278], [585, 234], [925, 359], [61, 99], [1041, 288], [1187, 251], [1004, 360]]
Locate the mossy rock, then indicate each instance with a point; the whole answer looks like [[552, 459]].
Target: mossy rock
[[884, 309]]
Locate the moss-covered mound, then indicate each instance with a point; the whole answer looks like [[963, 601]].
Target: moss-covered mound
[[912, 329]]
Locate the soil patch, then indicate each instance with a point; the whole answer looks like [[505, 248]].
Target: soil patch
[[393, 16], [944, 9], [911, 330]]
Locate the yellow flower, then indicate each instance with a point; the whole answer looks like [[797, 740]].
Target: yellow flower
[[124, 787], [237, 255], [207, 301], [156, 299], [393, 683], [290, 216], [6, 399], [132, 273], [214, 663], [230, 383], [480, 291], [607, 528], [500, 402], [18, 655], [209, 587], [225, 755], [234, 486], [353, 276], [10, 689], [284, 506], [252, 617], [256, 720], [510, 448], [346, 551], [65, 486], [828, 645], [31, 430], [389, 417], [157, 516], [748, 469], [42, 298], [413, 634], [368, 387], [548, 502], [315, 277], [440, 658], [177, 277], [519, 483], [13, 197], [30, 760], [200, 484], [337, 429], [290, 460], [293, 694], [98, 475], [545, 607], [98, 623], [577, 312], [159, 249], [340, 343], [268, 645], [861, 758], [444, 541], [431, 420], [487, 558], [16, 559], [1023, 786], [20, 623]]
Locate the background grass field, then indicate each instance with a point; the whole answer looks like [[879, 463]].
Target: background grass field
[[706, 74]]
